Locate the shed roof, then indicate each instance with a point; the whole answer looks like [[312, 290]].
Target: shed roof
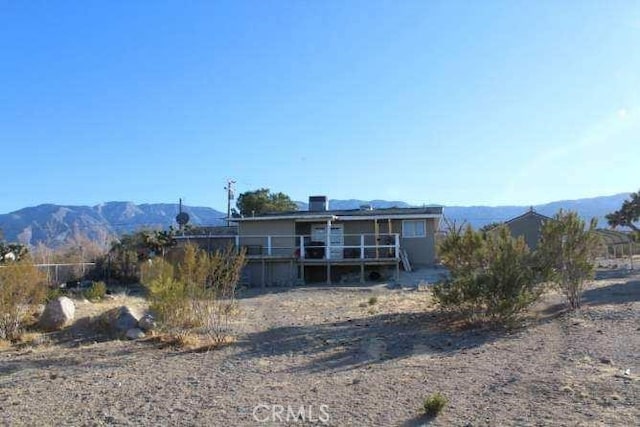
[[611, 237]]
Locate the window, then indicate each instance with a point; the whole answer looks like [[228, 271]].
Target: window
[[414, 228]]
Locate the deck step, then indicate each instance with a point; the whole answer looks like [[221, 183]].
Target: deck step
[[404, 257]]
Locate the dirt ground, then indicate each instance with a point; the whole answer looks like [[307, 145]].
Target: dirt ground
[[368, 362]]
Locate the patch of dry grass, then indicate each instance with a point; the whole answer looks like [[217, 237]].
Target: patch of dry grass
[[189, 341], [33, 339], [85, 308]]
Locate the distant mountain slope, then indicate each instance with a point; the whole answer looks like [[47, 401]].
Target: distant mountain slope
[[477, 216], [595, 207], [54, 225]]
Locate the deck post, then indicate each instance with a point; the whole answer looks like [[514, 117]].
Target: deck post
[[362, 246], [269, 245], [292, 274], [397, 248], [362, 272], [302, 248], [328, 273], [237, 243], [376, 228], [327, 245]]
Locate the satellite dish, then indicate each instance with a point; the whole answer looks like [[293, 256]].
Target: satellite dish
[[182, 219]]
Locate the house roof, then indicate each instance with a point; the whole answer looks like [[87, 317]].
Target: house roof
[[530, 212], [350, 214]]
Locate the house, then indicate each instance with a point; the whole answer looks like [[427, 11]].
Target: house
[[529, 226], [322, 245]]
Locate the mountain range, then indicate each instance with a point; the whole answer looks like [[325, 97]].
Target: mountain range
[[54, 225]]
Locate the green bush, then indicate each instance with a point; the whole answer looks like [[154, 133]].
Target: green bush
[[434, 404], [492, 277], [373, 300], [96, 292], [53, 293]]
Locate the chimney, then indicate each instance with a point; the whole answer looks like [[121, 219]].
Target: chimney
[[318, 203]]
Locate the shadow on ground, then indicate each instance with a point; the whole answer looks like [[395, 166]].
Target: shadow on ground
[[357, 342], [16, 365], [616, 273], [617, 293], [419, 421], [368, 287]]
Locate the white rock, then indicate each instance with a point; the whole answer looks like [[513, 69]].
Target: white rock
[[134, 334], [119, 320], [147, 323], [57, 314]]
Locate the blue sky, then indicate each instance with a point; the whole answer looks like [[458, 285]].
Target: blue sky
[[459, 103]]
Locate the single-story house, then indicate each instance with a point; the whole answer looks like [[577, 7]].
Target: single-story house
[[322, 245]]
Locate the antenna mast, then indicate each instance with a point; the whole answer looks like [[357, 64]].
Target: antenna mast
[[182, 218], [230, 197]]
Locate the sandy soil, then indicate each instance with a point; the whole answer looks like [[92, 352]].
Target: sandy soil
[[371, 364]]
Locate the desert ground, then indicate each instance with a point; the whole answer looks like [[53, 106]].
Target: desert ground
[[368, 361]]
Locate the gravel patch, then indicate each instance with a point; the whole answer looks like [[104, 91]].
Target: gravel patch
[[366, 364]]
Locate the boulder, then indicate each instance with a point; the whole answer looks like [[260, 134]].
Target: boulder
[[147, 323], [57, 314], [134, 334], [119, 320]]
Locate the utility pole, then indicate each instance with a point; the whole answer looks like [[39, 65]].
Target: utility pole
[[230, 197]]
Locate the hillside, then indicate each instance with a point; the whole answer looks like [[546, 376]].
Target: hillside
[[55, 224]]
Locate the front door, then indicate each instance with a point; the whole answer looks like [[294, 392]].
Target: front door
[[336, 238]]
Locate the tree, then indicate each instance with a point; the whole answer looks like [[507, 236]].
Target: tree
[[628, 213], [567, 252], [125, 255], [264, 201]]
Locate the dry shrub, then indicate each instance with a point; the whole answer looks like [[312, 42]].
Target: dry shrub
[[493, 277], [567, 254], [198, 293], [22, 288]]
